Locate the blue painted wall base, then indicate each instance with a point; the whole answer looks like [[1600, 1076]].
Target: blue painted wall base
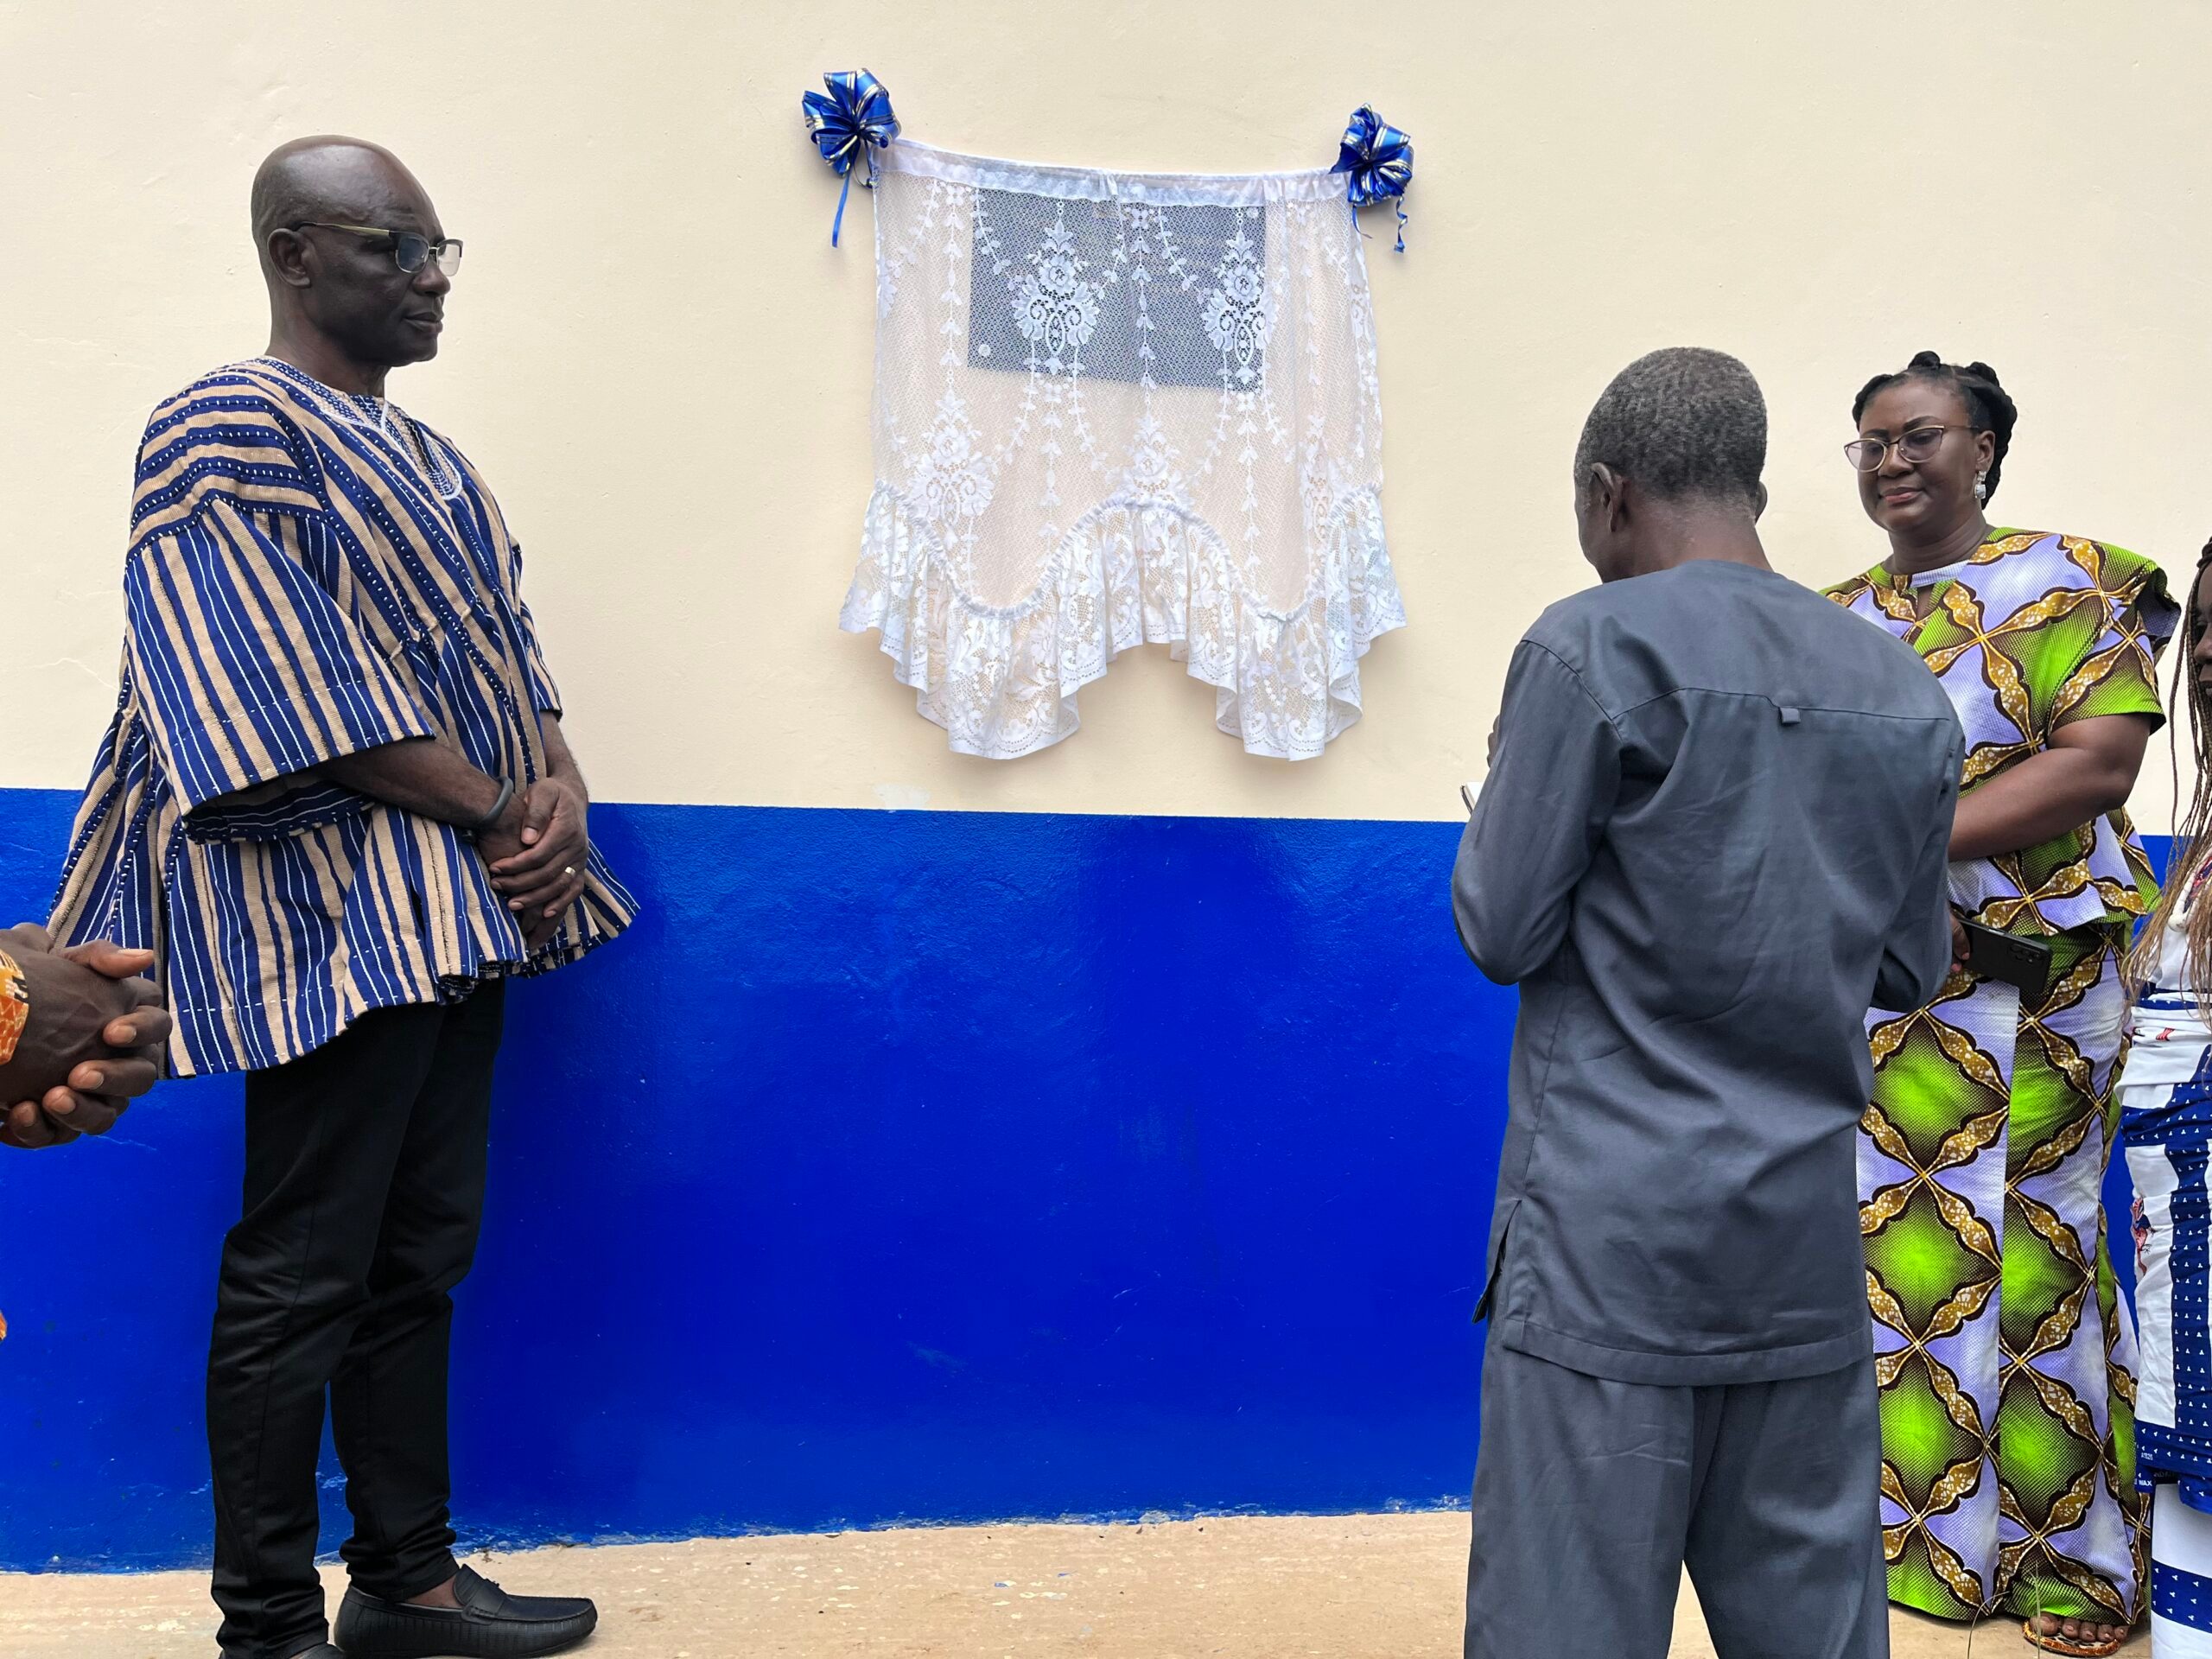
[[909, 1166], [897, 1166]]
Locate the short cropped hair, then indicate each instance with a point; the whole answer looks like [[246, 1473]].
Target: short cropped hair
[[1683, 422]]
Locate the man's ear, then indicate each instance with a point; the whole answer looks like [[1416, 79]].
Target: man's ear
[[1610, 494], [288, 258], [1758, 504]]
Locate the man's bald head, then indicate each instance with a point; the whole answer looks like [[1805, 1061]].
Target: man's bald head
[[331, 179], [331, 218]]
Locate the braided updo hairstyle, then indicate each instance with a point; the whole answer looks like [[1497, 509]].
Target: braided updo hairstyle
[[1987, 406]]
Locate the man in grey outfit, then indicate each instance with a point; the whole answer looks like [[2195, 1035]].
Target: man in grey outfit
[[1713, 834]]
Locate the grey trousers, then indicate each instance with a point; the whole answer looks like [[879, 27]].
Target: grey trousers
[[1592, 1495]]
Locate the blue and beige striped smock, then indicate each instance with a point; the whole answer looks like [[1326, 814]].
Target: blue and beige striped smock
[[310, 573]]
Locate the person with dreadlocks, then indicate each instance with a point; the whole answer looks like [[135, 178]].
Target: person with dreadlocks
[[2003, 1350], [2166, 1126]]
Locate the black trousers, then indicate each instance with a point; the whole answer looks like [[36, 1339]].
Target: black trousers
[[364, 1191]]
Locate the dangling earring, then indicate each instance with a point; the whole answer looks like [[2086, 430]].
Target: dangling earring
[[1981, 488]]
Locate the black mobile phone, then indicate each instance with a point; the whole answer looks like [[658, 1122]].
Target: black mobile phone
[[2011, 959]]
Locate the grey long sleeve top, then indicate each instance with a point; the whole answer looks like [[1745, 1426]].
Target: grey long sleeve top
[[1714, 834]]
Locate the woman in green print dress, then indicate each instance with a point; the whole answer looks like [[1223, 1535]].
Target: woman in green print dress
[[2003, 1352]]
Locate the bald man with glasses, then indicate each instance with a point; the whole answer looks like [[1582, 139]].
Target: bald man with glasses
[[336, 804]]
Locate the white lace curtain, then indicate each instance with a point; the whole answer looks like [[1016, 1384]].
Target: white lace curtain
[[1113, 408]]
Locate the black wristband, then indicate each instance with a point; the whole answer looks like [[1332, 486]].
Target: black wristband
[[506, 794]]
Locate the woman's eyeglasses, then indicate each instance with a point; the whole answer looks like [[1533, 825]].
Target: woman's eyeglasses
[[1919, 444], [410, 250]]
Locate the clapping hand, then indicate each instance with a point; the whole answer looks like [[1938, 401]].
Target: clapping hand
[[93, 1044]]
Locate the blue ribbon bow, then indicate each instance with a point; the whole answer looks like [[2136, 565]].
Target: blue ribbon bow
[[852, 119], [1379, 159]]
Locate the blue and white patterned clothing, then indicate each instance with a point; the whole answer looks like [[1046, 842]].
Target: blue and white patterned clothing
[[2165, 1099], [2181, 1578], [310, 575]]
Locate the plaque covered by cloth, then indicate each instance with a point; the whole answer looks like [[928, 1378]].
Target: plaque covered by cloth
[[1114, 408]]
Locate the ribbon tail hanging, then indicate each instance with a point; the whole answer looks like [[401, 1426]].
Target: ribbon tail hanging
[[849, 122]]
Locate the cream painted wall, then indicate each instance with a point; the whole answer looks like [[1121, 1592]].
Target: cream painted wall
[[663, 367]]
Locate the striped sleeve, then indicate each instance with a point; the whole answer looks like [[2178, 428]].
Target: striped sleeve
[[544, 692], [220, 439], [251, 669]]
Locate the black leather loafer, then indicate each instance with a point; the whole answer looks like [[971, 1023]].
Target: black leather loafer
[[488, 1625]]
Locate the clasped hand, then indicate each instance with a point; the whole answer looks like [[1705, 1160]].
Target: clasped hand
[[94, 1043], [537, 854]]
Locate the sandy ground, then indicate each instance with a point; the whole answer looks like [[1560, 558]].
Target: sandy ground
[[1366, 1586]]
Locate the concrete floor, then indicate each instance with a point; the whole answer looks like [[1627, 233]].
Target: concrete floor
[[1366, 1586]]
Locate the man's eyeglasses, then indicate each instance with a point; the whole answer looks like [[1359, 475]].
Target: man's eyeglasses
[[410, 249], [1919, 444]]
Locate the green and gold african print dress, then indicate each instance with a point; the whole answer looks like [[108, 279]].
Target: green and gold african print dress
[[2003, 1351]]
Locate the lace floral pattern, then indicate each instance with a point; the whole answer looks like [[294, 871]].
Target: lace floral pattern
[[952, 476], [1054, 309], [1114, 409], [1236, 311]]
